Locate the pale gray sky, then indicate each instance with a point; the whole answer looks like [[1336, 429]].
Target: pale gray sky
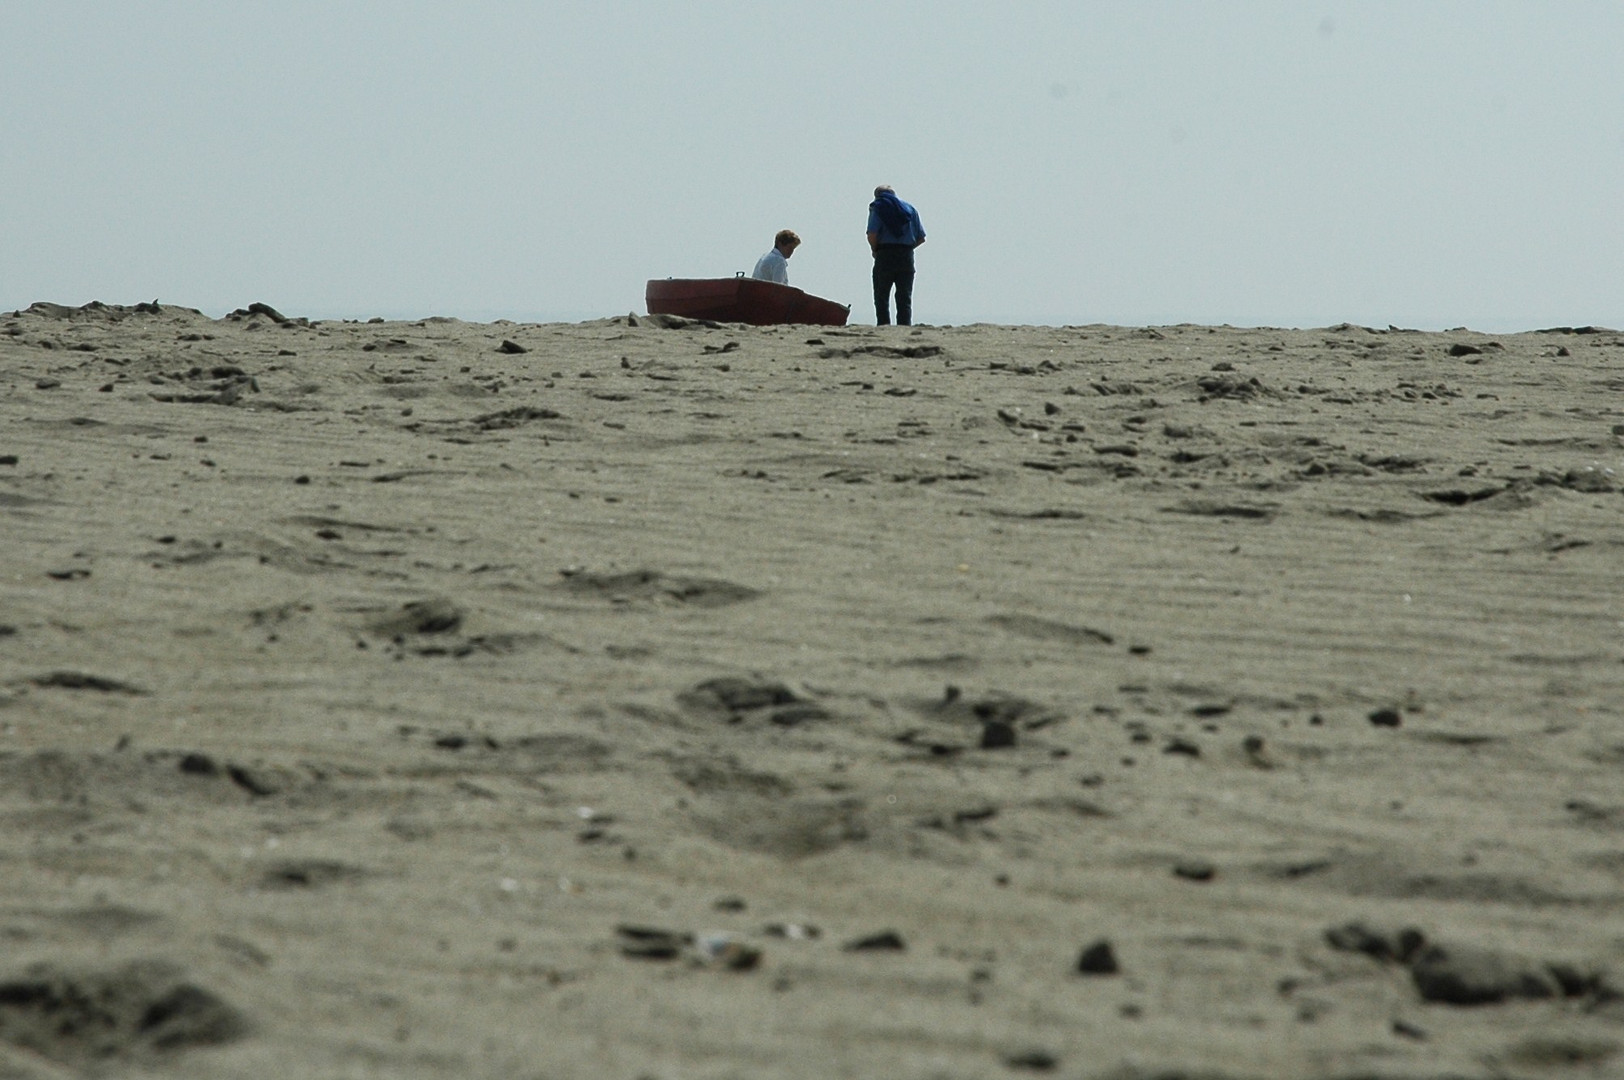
[[1294, 163]]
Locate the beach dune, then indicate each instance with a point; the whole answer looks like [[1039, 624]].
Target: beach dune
[[652, 698]]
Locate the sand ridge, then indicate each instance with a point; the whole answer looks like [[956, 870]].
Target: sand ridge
[[643, 697]]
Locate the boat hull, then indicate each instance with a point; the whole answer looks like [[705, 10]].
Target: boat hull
[[742, 300]]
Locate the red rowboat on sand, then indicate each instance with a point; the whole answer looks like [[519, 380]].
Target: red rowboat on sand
[[743, 300]]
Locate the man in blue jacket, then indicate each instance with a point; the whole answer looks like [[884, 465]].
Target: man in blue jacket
[[894, 231]]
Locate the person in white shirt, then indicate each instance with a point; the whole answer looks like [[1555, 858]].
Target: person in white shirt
[[774, 266]]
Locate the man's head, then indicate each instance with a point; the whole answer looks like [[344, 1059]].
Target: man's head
[[882, 189], [786, 242]]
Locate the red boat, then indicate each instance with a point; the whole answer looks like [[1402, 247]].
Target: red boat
[[742, 300]]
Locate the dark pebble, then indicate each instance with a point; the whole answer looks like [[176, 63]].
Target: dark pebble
[[884, 941], [253, 781], [1386, 718], [734, 955], [1409, 1031], [79, 680], [651, 943], [511, 347], [1195, 870], [997, 734], [1098, 959], [1035, 1060], [199, 765]]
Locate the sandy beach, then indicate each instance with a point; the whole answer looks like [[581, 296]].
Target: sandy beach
[[659, 700]]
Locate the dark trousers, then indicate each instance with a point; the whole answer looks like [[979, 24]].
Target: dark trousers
[[893, 266]]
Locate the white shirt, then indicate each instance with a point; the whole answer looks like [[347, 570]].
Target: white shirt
[[772, 267]]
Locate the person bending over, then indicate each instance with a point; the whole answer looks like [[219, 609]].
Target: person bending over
[[894, 230]]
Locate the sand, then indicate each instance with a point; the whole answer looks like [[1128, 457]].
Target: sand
[[650, 699]]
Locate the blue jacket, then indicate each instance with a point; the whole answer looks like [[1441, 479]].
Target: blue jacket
[[894, 221]]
